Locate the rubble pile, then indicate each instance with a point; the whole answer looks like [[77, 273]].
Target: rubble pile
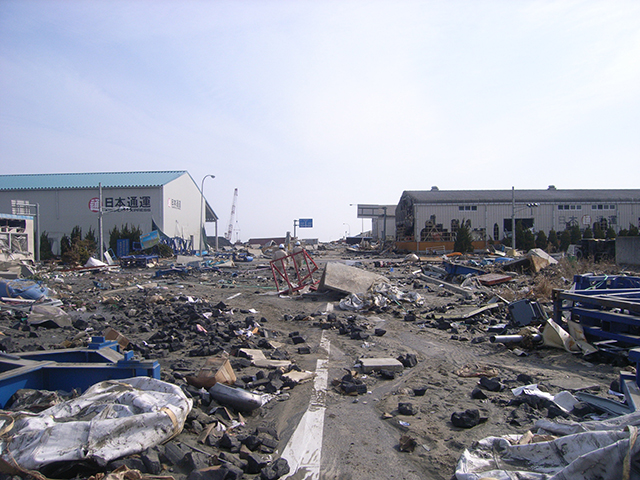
[[439, 347]]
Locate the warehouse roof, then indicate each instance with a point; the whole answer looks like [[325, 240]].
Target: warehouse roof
[[550, 195], [57, 181]]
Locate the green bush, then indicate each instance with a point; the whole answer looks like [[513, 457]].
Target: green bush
[[132, 234], [76, 251], [463, 242], [554, 242], [46, 251]]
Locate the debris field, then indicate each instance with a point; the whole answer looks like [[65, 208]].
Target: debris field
[[429, 357]]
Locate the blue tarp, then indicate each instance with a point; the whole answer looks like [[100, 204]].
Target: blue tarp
[[27, 289]]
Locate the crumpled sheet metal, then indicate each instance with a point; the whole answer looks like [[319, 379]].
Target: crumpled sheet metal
[[597, 450], [380, 294], [110, 420]]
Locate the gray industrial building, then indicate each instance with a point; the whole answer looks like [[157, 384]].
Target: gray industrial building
[[383, 220], [435, 215], [168, 201]]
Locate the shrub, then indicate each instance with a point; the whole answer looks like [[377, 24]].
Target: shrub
[[46, 250], [463, 242]]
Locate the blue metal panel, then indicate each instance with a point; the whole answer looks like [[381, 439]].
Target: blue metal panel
[[458, 269], [58, 181], [605, 282], [305, 223], [123, 247], [69, 369]]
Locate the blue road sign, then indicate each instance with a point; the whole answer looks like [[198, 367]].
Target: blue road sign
[[305, 223]]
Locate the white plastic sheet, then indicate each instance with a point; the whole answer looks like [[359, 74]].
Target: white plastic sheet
[[379, 295], [110, 420], [597, 450]]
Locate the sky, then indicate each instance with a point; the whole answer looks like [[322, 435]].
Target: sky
[[311, 107]]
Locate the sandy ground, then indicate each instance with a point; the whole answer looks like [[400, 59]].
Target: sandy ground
[[361, 432]]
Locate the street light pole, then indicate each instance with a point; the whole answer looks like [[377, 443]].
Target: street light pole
[[201, 210]]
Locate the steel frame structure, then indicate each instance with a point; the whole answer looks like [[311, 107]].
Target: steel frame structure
[[304, 268]]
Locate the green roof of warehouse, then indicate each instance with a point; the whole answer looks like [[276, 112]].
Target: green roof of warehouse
[[57, 181]]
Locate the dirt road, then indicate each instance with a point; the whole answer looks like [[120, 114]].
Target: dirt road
[[360, 434]]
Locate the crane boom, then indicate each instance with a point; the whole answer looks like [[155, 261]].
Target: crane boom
[[232, 216]]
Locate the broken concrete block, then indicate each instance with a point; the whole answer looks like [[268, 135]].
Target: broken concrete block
[[229, 442], [298, 377], [420, 391], [467, 419], [408, 360], [259, 360], [373, 364], [491, 384], [538, 252], [267, 444], [252, 442], [478, 394], [407, 444], [407, 408], [255, 463], [131, 463], [345, 279], [359, 335], [218, 472], [151, 461], [275, 470], [173, 453], [195, 461]]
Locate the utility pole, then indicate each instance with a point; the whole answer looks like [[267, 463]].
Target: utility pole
[[202, 228]]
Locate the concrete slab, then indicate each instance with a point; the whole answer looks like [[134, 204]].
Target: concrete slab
[[447, 286], [299, 377], [259, 360], [343, 278], [375, 364], [493, 279], [538, 263], [538, 252]]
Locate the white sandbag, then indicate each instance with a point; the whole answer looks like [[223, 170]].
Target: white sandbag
[[592, 451], [110, 420], [94, 262]]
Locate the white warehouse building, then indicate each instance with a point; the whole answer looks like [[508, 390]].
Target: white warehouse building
[[433, 216], [167, 201]]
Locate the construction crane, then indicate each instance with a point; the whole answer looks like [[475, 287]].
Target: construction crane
[[233, 214]]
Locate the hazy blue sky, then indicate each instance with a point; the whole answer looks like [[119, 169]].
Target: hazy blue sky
[[309, 106]]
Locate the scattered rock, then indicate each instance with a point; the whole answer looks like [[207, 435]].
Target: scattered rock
[[467, 419]]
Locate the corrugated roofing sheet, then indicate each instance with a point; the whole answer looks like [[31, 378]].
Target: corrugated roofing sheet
[[502, 196], [58, 181]]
